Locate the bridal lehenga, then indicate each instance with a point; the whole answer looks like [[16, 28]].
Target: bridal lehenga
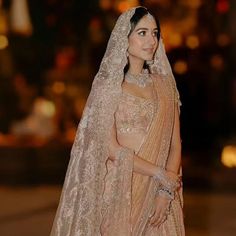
[[101, 197]]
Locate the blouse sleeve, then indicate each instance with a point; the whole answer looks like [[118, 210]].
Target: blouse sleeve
[[115, 149]]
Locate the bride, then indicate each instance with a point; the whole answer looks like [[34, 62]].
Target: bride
[[124, 175]]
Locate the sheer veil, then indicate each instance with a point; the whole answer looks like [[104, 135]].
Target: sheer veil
[[83, 202]]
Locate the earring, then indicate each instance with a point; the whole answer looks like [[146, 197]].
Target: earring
[[127, 54]]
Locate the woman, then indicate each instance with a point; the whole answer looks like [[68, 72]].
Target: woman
[[122, 178]]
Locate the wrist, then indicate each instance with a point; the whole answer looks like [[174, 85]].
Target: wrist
[[166, 179], [170, 195]]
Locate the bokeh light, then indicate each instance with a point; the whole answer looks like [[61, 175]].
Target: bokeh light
[[217, 62], [3, 41], [180, 67], [175, 40], [228, 157], [44, 107], [223, 40], [192, 41], [125, 5], [58, 87], [222, 6]]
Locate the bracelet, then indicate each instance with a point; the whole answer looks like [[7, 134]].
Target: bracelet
[[167, 182], [166, 193]]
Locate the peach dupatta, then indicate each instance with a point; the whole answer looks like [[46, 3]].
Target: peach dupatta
[[156, 150], [136, 193]]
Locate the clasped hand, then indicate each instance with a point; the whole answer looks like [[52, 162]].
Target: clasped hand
[[161, 212]]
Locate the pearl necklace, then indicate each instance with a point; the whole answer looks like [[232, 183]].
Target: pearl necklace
[[140, 80]]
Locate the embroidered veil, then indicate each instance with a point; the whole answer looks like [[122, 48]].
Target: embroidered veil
[[83, 203]]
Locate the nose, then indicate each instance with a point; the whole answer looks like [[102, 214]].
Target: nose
[[152, 39]]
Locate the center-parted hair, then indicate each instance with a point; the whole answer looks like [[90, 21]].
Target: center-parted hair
[[140, 12]]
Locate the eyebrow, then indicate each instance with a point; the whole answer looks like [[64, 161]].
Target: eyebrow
[[144, 29]]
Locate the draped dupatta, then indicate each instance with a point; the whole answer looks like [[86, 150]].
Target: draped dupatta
[[155, 149], [95, 201]]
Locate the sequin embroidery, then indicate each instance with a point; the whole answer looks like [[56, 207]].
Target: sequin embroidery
[[134, 114]]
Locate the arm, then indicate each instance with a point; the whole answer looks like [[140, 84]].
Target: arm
[[140, 165], [174, 159]]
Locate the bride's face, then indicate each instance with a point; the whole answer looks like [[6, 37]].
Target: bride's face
[[143, 39]]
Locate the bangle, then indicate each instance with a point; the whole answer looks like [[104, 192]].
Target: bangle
[[166, 193], [167, 182]]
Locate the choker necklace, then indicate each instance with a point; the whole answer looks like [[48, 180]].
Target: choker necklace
[[141, 79]]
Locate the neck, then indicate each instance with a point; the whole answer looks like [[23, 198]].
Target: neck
[[135, 65]]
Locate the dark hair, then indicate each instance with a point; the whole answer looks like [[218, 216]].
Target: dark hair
[[140, 12]]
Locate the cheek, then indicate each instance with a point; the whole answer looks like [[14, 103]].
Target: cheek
[[134, 45], [156, 45]]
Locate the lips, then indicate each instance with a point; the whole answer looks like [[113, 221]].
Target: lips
[[149, 50]]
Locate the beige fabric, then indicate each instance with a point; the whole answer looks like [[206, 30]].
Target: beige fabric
[[98, 197], [156, 149]]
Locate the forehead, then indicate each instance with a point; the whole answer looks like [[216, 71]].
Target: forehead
[[146, 22]]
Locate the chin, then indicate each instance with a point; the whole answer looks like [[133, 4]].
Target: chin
[[148, 58]]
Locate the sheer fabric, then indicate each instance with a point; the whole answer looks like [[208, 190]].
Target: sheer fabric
[[100, 197]]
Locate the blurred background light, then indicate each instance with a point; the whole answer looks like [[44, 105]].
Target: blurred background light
[[44, 107], [125, 5], [223, 40], [20, 18], [58, 87], [118, 5], [228, 157], [175, 39], [180, 67], [217, 62], [192, 3], [222, 6], [105, 4], [3, 20], [192, 41], [3, 41]]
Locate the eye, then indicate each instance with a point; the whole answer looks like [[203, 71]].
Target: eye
[[142, 33], [155, 33]]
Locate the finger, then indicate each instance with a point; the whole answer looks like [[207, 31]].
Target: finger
[[151, 216], [160, 221], [161, 217], [154, 218]]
